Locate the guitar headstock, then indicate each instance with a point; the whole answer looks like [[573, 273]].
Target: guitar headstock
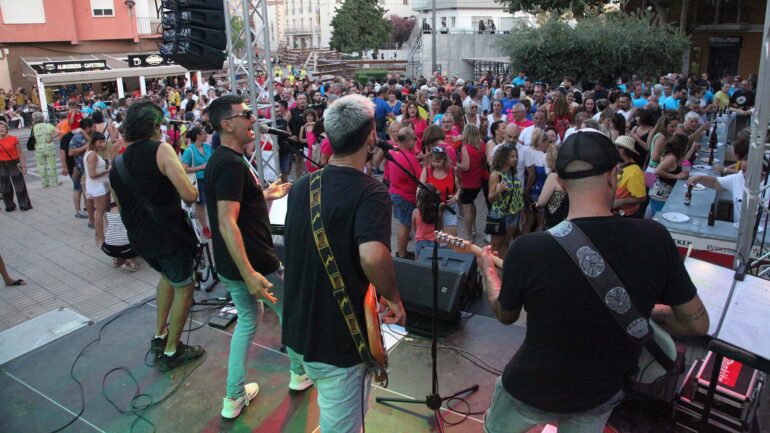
[[456, 243]]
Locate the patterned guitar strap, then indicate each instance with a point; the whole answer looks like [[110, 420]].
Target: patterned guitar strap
[[330, 264]]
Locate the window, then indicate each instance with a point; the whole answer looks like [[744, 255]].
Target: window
[[454, 21], [102, 8], [406, 2], [22, 11]]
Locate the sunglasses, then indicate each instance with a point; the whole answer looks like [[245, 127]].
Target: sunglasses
[[246, 114], [438, 149]]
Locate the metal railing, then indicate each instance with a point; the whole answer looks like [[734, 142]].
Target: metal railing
[[144, 26], [298, 30]]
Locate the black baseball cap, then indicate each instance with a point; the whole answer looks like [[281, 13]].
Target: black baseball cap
[[590, 146]]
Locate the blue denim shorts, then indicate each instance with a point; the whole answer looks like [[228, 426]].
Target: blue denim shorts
[[76, 176], [201, 191], [402, 210], [285, 160], [450, 219]]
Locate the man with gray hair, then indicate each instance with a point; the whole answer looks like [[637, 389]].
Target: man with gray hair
[[354, 213]]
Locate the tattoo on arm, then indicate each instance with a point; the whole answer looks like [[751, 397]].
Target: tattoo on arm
[[696, 316]]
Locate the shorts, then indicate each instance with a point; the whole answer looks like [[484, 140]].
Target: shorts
[[449, 218], [468, 196], [402, 210], [201, 191], [286, 160], [177, 267], [119, 251], [76, 177]]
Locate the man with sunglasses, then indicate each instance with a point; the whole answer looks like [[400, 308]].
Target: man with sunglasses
[[243, 245]]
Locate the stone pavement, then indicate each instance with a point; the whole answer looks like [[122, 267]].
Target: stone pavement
[[58, 257]]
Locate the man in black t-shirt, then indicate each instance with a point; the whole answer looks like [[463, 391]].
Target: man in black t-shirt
[[243, 245], [285, 155], [744, 97], [355, 213], [575, 358]]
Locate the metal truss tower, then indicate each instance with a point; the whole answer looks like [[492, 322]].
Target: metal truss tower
[[248, 53]]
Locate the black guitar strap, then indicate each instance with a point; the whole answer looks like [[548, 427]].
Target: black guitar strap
[[609, 288]]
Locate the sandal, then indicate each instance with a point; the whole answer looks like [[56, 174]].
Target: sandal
[[18, 282], [128, 268]]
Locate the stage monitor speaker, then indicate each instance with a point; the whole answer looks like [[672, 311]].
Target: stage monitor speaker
[[415, 284]]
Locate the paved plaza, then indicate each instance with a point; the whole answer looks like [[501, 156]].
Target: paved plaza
[[58, 257]]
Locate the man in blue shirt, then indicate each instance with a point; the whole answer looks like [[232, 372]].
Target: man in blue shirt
[[381, 109], [638, 98], [673, 101], [519, 81]]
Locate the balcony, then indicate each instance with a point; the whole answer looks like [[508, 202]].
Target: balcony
[[298, 30], [426, 5]]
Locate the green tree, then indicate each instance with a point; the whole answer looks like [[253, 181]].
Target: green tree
[[578, 8], [596, 48], [359, 25]]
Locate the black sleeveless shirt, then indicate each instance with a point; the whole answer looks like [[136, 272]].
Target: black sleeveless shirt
[[148, 237]]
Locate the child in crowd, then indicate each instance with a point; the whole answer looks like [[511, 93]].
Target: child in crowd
[[507, 196], [425, 219], [438, 174], [116, 244]]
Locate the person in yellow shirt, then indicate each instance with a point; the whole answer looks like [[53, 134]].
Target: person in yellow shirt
[[722, 97], [630, 193]]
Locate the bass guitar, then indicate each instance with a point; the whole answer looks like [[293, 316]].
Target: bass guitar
[[374, 336]]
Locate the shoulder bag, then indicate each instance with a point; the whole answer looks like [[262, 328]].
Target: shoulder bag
[[31, 141]]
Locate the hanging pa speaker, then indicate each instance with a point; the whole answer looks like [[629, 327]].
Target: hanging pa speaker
[[193, 33]]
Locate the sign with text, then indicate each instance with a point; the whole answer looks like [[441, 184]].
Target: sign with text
[[725, 41], [144, 60], [74, 66]]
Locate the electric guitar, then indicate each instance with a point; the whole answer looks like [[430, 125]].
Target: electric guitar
[[374, 336], [464, 246], [649, 369]]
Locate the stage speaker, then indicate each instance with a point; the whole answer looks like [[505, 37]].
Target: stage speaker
[[194, 33], [415, 284]]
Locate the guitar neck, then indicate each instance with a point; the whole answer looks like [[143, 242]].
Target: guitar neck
[[463, 246]]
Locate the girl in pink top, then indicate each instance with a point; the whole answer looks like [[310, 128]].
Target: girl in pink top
[[425, 219]]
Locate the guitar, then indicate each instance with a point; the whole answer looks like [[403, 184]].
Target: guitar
[[464, 246], [649, 370], [374, 336]]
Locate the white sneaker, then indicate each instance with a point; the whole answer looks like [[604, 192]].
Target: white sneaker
[[232, 408], [299, 382]]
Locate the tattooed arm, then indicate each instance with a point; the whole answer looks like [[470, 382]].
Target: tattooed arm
[[690, 318]]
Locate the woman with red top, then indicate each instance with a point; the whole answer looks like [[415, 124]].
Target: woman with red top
[[559, 115], [474, 177], [412, 115], [450, 139], [12, 171], [403, 188], [447, 183]]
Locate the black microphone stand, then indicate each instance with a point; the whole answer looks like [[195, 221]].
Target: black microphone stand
[[434, 400], [299, 152]]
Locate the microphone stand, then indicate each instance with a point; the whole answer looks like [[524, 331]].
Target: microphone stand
[[434, 400], [299, 152]]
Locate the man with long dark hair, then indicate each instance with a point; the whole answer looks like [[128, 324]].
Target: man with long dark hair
[[159, 176]]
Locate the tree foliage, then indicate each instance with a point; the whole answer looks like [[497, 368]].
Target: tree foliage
[[402, 29], [596, 48], [358, 26], [578, 8]]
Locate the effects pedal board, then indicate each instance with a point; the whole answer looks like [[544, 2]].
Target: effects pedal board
[[224, 318]]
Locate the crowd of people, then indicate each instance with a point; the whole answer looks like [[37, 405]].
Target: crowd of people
[[499, 137]]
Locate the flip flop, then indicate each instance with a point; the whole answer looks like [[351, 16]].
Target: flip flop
[[18, 282]]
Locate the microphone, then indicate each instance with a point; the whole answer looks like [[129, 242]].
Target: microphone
[[384, 145], [264, 129]]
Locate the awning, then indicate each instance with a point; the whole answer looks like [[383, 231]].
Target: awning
[[98, 68]]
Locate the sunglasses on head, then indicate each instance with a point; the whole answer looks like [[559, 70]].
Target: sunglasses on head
[[438, 149]]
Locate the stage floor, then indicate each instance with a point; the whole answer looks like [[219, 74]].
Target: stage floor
[[40, 396]]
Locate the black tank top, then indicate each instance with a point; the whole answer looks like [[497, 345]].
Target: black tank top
[[147, 236], [297, 120]]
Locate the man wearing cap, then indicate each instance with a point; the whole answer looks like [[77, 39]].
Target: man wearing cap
[[575, 359], [630, 193]]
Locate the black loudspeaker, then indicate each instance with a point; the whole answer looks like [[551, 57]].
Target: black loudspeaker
[[194, 33], [415, 284]]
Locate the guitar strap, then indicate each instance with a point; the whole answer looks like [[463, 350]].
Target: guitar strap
[[333, 272], [609, 288]]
